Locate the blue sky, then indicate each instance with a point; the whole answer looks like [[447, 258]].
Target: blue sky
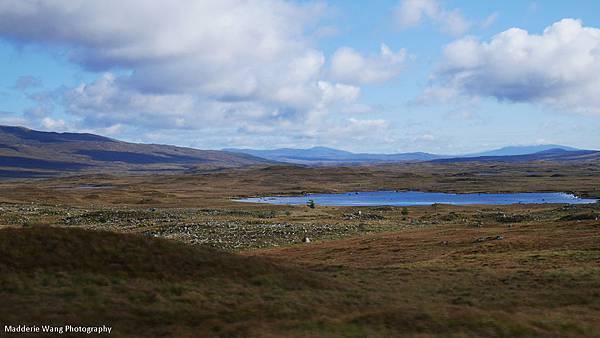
[[390, 76]]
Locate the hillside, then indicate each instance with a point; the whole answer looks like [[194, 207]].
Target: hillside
[[30, 153], [145, 287], [554, 155]]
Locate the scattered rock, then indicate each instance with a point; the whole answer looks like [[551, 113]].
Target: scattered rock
[[488, 238], [305, 240], [360, 215]]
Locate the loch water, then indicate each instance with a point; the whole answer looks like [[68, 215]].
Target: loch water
[[411, 198]]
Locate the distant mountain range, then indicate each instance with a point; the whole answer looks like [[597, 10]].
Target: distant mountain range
[[520, 150], [29, 153], [329, 156], [553, 154], [324, 155]]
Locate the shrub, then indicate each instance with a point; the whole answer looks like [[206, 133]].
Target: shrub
[[404, 211]]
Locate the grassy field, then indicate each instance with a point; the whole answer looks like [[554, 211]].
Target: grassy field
[[174, 256]]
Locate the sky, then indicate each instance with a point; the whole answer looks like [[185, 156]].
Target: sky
[[445, 77]]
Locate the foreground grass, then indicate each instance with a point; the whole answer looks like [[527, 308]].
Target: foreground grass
[[541, 280], [149, 287]]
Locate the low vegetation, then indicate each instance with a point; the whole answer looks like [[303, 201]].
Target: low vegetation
[[130, 257]]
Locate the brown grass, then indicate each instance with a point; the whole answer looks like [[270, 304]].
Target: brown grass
[[147, 287], [381, 274], [215, 189]]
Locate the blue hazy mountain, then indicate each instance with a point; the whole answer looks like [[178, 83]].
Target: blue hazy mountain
[[324, 155], [520, 150], [549, 155]]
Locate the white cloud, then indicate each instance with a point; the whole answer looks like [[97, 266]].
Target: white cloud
[[105, 102], [52, 124], [411, 13], [348, 65], [213, 48], [490, 20], [113, 130], [359, 108], [12, 119], [425, 137], [334, 93], [231, 64], [560, 67], [358, 130]]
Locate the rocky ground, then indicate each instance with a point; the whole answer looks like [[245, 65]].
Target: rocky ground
[[263, 227]]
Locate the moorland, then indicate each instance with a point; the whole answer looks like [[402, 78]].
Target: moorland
[[172, 255]]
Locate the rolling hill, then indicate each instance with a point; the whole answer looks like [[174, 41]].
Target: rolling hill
[[555, 155], [29, 153]]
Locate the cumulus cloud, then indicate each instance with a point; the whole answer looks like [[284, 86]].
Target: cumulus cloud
[[190, 65], [106, 102], [337, 93], [411, 13], [348, 65], [560, 67], [215, 48]]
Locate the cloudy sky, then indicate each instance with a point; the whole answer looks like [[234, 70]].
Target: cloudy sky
[[387, 76]]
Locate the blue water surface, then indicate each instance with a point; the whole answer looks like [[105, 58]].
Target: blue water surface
[[408, 198]]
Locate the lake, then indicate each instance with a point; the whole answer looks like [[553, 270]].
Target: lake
[[409, 198]]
